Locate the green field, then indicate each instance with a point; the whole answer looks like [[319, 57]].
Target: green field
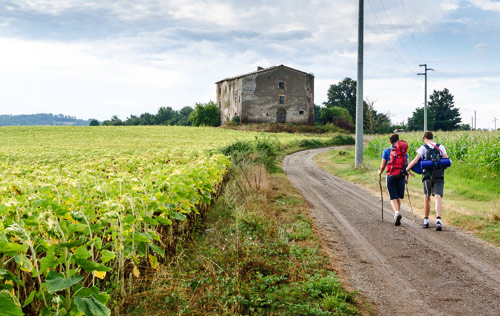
[[85, 209], [472, 192]]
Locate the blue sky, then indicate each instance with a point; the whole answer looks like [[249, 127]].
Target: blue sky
[[95, 59]]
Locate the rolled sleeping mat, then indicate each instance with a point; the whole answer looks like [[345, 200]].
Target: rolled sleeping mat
[[417, 168], [429, 164]]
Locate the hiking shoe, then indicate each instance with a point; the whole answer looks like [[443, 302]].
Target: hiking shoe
[[426, 225], [439, 227], [397, 219]]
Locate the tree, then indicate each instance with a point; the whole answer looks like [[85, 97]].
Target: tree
[[416, 121], [464, 127], [205, 114], [183, 117], [115, 121], [94, 122], [343, 95], [338, 116], [165, 116], [446, 117], [375, 122], [317, 114]]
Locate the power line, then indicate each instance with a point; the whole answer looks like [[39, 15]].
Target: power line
[[384, 31], [394, 30], [411, 29]]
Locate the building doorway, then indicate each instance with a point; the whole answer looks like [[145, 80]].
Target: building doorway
[[281, 115]]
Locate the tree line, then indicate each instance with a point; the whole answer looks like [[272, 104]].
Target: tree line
[[41, 119], [340, 109], [203, 114]]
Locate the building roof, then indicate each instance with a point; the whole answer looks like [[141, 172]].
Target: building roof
[[262, 71]]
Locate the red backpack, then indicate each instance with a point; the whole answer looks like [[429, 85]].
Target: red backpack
[[397, 161]]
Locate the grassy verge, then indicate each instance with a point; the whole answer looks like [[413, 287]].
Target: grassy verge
[[256, 253], [471, 198]]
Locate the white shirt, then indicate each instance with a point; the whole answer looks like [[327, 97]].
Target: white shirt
[[422, 150]]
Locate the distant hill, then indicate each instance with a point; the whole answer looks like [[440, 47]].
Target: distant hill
[[41, 119]]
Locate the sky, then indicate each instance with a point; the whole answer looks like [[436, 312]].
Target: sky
[[99, 58]]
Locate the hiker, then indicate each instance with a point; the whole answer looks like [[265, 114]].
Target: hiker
[[395, 158], [432, 179]]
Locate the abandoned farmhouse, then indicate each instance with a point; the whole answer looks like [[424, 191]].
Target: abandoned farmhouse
[[275, 94]]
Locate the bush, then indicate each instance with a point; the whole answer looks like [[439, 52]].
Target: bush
[[263, 150], [338, 116], [205, 114], [336, 140]]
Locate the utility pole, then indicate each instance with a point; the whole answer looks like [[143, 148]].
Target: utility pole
[[358, 153], [475, 121], [425, 104], [495, 120]]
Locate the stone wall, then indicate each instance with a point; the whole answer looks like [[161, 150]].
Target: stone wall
[[229, 99], [280, 94]]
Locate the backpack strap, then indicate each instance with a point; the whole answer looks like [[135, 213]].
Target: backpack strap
[[437, 146]]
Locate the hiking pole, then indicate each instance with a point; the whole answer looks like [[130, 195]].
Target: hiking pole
[[409, 200], [381, 195]]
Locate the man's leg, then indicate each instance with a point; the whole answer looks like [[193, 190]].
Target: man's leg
[[427, 205], [395, 205], [437, 197]]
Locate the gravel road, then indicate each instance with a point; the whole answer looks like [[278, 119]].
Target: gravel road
[[405, 270]]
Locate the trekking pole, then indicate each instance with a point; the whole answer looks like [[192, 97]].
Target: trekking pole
[[381, 195], [409, 200]]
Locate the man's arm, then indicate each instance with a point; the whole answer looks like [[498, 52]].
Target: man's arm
[[413, 162], [383, 163]]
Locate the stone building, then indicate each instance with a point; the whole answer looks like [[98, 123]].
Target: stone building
[[275, 94]]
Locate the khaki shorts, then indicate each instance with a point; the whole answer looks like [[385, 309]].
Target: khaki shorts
[[433, 187]]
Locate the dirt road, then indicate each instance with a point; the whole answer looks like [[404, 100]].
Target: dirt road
[[404, 270]]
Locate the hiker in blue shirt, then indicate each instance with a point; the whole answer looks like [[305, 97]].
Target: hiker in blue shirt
[[395, 158]]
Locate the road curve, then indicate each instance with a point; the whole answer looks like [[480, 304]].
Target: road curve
[[402, 270]]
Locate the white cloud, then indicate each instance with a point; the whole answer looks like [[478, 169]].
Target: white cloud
[[134, 56], [487, 5]]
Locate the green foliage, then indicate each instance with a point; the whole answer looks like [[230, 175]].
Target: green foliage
[[338, 116], [94, 123], [41, 119], [446, 117], [90, 306], [205, 114], [236, 119], [375, 122], [343, 95], [441, 114], [80, 212], [261, 150], [317, 114], [9, 306], [477, 149], [336, 140], [165, 116]]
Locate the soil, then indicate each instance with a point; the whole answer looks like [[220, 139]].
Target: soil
[[400, 270]]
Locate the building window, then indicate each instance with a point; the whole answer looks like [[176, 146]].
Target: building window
[[282, 85], [282, 99], [301, 112]]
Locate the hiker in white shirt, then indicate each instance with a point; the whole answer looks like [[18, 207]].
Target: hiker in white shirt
[[432, 181]]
